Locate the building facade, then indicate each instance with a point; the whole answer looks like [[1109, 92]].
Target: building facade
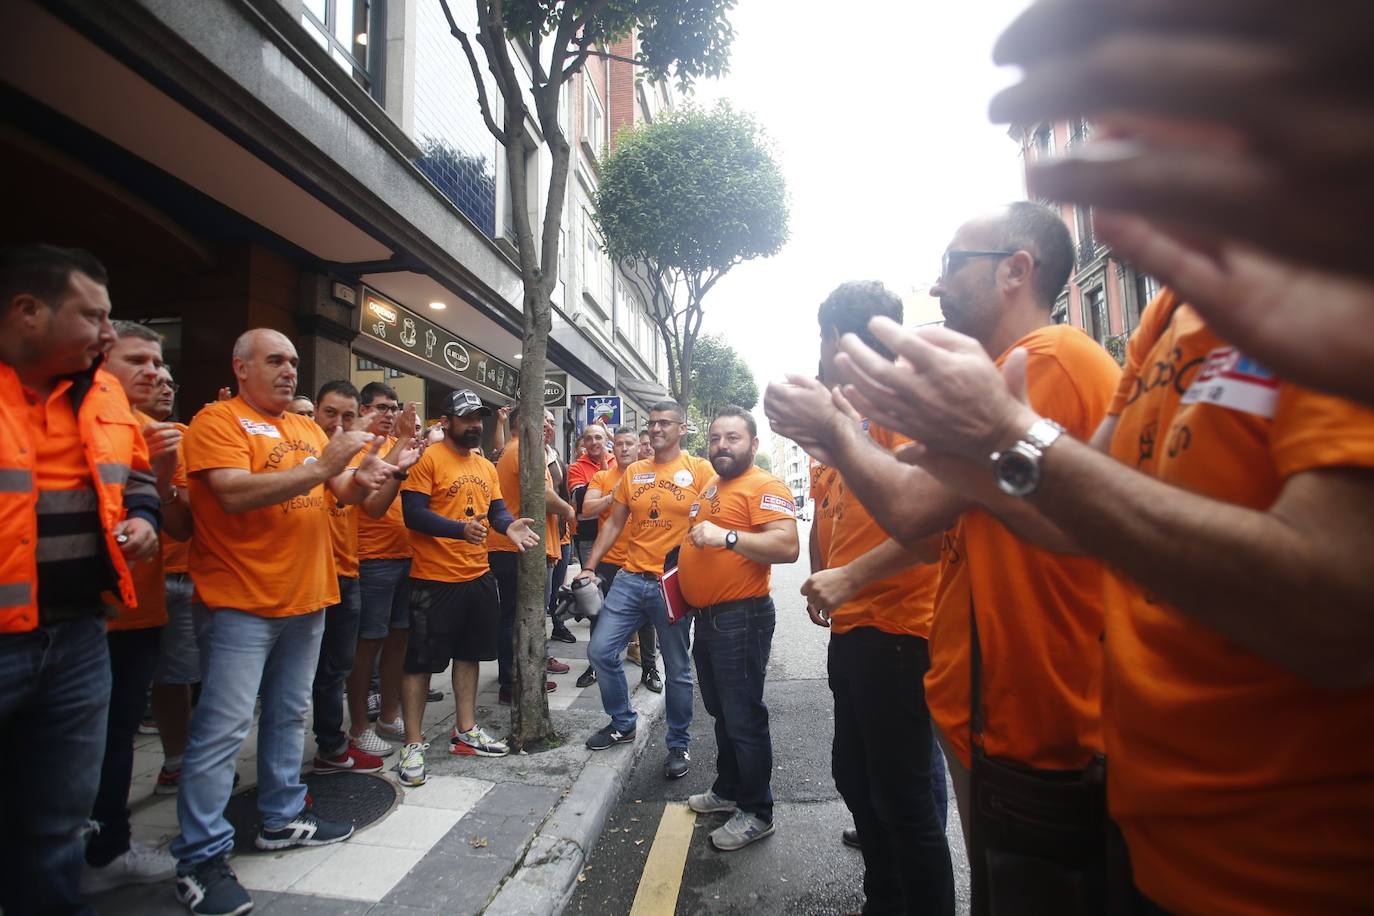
[[320, 167], [1105, 295]]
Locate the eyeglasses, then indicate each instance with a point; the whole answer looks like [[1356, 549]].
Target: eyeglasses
[[387, 408], [953, 260], [170, 386], [656, 423]]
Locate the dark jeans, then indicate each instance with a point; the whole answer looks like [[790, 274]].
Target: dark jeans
[[337, 648], [133, 660], [503, 567], [648, 645], [54, 695], [731, 652], [560, 572], [881, 761]]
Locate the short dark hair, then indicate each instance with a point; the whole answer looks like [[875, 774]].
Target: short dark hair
[[848, 309], [372, 389], [44, 271], [625, 431], [124, 329], [732, 410], [672, 407], [1040, 230], [339, 386]]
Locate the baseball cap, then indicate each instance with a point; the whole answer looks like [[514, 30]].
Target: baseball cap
[[463, 403]]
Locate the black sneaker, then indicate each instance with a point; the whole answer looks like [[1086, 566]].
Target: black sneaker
[[563, 634], [587, 678], [609, 737], [305, 829], [652, 680], [678, 763], [434, 696], [850, 837], [212, 889]]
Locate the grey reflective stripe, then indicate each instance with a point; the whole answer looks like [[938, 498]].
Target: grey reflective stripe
[[68, 547], [15, 481], [52, 502], [16, 593], [141, 483], [114, 473]]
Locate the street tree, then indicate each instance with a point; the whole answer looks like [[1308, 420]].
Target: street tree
[[680, 202], [530, 51], [720, 377]]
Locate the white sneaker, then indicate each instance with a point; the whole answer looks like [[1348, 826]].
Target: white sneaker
[[372, 743], [392, 731], [140, 865], [411, 769], [476, 742]]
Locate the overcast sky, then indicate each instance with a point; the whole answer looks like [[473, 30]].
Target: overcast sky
[[880, 124]]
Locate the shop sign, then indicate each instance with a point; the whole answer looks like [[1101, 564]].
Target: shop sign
[[401, 328], [605, 409], [556, 389]]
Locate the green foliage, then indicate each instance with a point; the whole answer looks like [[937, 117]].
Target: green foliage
[[695, 191], [720, 377], [765, 461]]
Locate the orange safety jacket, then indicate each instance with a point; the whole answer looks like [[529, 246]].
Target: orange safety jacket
[[118, 460]]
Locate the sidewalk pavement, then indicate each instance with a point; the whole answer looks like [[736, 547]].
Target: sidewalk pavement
[[484, 835]]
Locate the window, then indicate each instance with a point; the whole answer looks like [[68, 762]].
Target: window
[[1042, 142], [593, 122], [1095, 314], [352, 32], [1145, 291], [1060, 313]]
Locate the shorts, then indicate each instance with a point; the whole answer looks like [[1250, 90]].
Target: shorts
[[452, 621], [178, 660], [384, 588]]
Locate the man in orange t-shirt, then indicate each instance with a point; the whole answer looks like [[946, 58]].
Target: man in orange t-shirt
[[743, 523], [502, 553], [1233, 508], [263, 563], [453, 501], [652, 502], [134, 637]]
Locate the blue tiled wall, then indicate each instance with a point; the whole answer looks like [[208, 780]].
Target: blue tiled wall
[[460, 153]]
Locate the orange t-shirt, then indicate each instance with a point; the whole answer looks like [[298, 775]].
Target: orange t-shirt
[[508, 472], [276, 561], [460, 487], [384, 538], [901, 603], [343, 529], [659, 496], [150, 583], [175, 553], [1240, 788], [1039, 613], [605, 482], [823, 506], [715, 575]]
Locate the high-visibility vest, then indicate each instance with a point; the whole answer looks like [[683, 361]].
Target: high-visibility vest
[[113, 444]]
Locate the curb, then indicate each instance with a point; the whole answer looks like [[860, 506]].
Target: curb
[[543, 882]]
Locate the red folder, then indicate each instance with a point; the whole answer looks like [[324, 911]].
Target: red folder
[[678, 608]]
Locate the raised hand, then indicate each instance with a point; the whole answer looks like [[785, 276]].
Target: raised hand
[[342, 447], [523, 534], [164, 439]]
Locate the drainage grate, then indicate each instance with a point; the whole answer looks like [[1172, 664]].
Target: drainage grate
[[363, 798]]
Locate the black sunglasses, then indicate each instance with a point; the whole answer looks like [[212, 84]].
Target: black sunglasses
[[953, 260]]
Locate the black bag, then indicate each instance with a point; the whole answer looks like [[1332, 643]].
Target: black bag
[[1039, 836]]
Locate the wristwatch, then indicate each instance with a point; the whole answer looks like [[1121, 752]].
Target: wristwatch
[[399, 474], [1017, 469], [731, 539]]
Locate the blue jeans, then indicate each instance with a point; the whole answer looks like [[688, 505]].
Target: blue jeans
[[246, 651], [633, 601], [54, 695], [384, 592], [731, 651], [337, 648]]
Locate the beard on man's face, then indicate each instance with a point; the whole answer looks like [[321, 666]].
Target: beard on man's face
[[727, 464], [468, 438]]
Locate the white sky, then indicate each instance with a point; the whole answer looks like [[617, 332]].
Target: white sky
[[880, 124]]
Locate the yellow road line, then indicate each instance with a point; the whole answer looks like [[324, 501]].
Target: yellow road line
[[662, 876]]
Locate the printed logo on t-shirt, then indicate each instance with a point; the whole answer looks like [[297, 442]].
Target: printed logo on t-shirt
[[1233, 380], [254, 428], [710, 492], [771, 503], [649, 477], [692, 512], [683, 478]]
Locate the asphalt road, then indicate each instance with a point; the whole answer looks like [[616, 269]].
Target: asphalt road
[[802, 869]]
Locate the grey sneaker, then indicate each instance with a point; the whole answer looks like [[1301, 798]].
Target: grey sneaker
[[739, 831], [678, 763], [709, 802]]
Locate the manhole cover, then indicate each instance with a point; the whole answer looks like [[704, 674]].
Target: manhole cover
[[363, 798]]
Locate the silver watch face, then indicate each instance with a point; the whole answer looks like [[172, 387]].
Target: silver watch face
[[1018, 473]]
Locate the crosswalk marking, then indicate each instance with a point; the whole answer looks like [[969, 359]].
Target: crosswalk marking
[[662, 876]]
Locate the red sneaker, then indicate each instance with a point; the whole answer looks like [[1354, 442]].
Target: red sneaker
[[168, 781], [349, 759], [555, 666]]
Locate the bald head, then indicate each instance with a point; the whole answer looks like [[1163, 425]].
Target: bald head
[[265, 363]]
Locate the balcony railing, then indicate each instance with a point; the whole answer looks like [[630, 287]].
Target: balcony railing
[[1088, 251]]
